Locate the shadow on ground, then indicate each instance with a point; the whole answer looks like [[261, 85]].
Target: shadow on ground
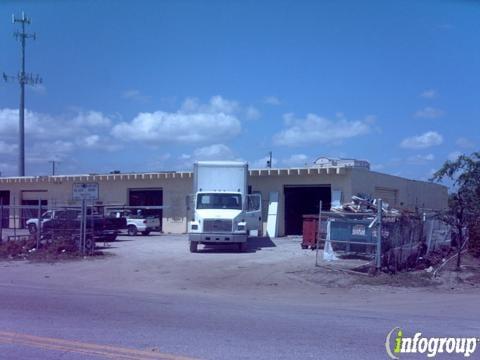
[[254, 244]]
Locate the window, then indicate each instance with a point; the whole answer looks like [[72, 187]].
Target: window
[[219, 201]]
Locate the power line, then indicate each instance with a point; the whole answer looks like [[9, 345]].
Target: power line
[[22, 78]]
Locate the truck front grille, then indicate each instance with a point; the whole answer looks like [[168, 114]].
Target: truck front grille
[[216, 225]]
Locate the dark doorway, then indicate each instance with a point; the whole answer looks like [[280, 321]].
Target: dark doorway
[[304, 200], [31, 211], [147, 197], [5, 200]]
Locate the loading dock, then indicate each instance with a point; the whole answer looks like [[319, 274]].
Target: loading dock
[[145, 198], [304, 200]]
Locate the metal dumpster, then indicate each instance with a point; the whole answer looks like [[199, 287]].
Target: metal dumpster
[[309, 233]]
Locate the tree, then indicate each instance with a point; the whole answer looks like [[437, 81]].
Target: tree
[[463, 210]]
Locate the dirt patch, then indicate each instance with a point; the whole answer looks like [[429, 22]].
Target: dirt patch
[[26, 249]]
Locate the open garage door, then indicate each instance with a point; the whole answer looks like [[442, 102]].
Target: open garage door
[[147, 197], [4, 200], [303, 200]]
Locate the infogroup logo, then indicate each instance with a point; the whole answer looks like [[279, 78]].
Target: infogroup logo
[[397, 343]]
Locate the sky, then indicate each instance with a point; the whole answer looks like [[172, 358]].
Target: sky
[[156, 85]]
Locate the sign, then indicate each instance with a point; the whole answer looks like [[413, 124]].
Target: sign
[[85, 191], [358, 230]]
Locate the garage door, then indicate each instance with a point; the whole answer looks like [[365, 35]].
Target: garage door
[[387, 195], [304, 200], [145, 198]]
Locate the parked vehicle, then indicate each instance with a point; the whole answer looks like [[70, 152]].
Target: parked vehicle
[[68, 221], [223, 211], [137, 222], [104, 228], [32, 224]]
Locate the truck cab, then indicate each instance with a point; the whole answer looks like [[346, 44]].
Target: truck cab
[[223, 212]]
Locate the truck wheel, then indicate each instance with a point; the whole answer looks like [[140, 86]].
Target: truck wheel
[[132, 230], [146, 232], [32, 228], [193, 246]]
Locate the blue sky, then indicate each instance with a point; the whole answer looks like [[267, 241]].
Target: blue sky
[[156, 85]]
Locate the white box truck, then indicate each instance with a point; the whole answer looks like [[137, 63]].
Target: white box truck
[[224, 212]]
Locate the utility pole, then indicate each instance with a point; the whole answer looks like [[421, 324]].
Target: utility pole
[[269, 161], [22, 78], [53, 166]]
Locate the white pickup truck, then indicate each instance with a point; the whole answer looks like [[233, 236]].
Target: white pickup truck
[[137, 223]]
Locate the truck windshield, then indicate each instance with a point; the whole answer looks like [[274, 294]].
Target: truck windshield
[[219, 201]]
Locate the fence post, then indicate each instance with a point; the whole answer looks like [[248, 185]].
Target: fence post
[[84, 226], [378, 257], [14, 217], [1, 220], [318, 232], [39, 217]]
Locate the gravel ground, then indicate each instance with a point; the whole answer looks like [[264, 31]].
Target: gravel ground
[[276, 268]]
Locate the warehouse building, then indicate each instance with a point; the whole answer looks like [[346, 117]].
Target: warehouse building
[[298, 190]]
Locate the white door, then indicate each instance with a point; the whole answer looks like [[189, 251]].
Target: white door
[[253, 214]]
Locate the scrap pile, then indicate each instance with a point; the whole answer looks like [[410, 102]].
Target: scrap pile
[[363, 204]]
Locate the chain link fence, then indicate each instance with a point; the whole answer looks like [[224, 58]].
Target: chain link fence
[[393, 240], [73, 229]]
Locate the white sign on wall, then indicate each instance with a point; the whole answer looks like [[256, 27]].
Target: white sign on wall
[[85, 191]]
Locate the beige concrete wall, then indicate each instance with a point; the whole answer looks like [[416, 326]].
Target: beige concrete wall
[[349, 181], [411, 193], [115, 192], [276, 183]]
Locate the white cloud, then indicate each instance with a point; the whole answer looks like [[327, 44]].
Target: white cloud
[[193, 123], [92, 119], [297, 160], [57, 150], [271, 100], [429, 113], [318, 130], [420, 159], [465, 143], [51, 137], [213, 152], [217, 104], [252, 113], [6, 148], [135, 95], [429, 94], [426, 140]]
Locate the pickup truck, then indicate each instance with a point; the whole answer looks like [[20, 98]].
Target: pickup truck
[[136, 222], [32, 224], [68, 222]]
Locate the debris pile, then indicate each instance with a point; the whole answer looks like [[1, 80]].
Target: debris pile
[[363, 204]]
